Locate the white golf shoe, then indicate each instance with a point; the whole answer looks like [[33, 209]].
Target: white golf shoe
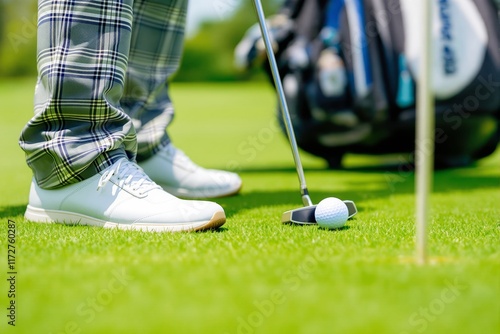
[[124, 197], [178, 175]]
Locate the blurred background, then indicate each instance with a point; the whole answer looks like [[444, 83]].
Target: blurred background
[[213, 30]]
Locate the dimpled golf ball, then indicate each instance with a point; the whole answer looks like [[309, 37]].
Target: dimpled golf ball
[[331, 213]]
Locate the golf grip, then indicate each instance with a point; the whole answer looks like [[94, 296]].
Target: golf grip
[[284, 108]]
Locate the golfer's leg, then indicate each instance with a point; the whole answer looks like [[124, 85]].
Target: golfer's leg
[[79, 132], [78, 128], [155, 53]]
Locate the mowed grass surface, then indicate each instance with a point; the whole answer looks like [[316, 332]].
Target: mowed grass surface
[[256, 275]]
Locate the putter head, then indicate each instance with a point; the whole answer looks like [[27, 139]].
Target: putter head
[[305, 215]]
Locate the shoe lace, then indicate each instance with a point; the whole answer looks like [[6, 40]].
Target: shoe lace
[[128, 174]]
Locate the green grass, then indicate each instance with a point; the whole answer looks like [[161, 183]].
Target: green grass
[[256, 275]]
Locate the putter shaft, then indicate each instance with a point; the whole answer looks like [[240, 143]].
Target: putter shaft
[[282, 100]]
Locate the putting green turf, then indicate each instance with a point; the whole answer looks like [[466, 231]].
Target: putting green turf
[[255, 275]]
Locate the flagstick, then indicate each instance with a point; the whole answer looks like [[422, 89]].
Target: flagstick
[[425, 135]]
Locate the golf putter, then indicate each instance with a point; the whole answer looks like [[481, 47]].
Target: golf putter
[[304, 215]]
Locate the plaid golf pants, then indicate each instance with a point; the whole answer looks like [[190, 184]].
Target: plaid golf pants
[[102, 91]]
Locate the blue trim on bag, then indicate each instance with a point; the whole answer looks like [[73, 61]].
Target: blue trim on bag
[[406, 90], [333, 10], [330, 32], [363, 42]]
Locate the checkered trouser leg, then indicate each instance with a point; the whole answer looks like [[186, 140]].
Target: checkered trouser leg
[[155, 54], [101, 90]]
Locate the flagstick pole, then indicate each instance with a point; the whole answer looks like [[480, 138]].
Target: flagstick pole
[[425, 135]]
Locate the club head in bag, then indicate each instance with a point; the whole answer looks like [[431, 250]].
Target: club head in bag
[[305, 215]]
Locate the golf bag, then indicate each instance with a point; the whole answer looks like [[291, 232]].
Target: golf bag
[[350, 69]]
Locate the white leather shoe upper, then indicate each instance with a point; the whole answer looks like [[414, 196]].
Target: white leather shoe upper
[[178, 175], [125, 197]]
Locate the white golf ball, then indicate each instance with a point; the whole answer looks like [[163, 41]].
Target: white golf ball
[[331, 213]]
